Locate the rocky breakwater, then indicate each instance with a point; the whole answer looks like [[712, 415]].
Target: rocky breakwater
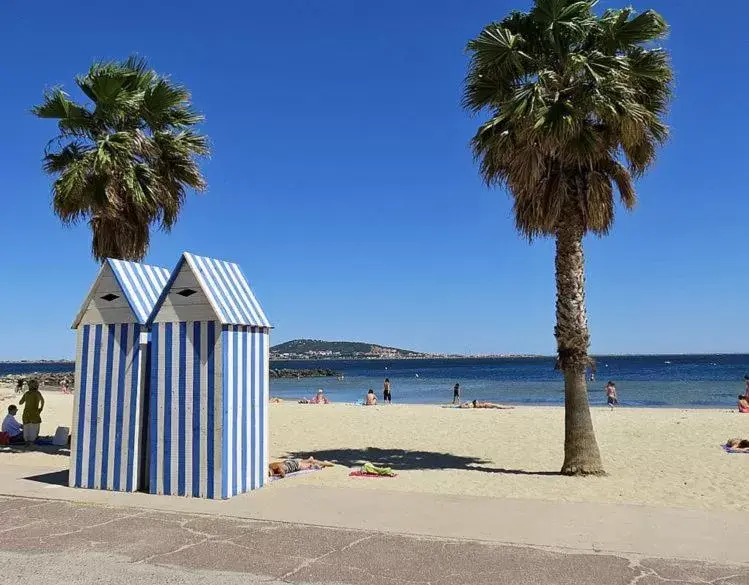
[[44, 378], [314, 373]]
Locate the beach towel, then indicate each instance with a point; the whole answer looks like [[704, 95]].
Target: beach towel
[[369, 470], [44, 440], [294, 474], [728, 449]]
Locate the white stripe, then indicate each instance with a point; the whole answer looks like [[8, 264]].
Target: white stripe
[[229, 447], [139, 397], [204, 430], [75, 439], [189, 356], [206, 282], [101, 405], [232, 291], [124, 471], [113, 445], [217, 381], [256, 412], [174, 412], [160, 406], [249, 296], [240, 406], [265, 397]]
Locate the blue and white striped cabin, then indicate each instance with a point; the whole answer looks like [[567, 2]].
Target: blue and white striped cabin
[[208, 412], [110, 374]]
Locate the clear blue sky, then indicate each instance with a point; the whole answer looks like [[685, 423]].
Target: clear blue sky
[[342, 182]]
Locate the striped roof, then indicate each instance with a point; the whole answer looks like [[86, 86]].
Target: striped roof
[[141, 286], [226, 288]]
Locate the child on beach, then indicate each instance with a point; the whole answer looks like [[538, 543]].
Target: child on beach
[[743, 404], [456, 394], [611, 398], [386, 397], [371, 398]]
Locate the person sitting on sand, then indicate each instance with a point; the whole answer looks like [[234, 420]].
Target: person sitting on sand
[[12, 426], [281, 468], [371, 399], [32, 411], [738, 444], [276, 400], [319, 398], [743, 404]]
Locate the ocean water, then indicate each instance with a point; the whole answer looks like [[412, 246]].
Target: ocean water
[[692, 381]]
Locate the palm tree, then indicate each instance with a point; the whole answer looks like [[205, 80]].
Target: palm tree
[[575, 103], [126, 162]]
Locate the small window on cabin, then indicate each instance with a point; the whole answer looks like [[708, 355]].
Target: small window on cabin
[[188, 292], [110, 297]]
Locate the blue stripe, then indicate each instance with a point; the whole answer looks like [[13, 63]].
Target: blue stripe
[[153, 409], [82, 397], [253, 446], [196, 410], [211, 355], [182, 398], [107, 407], [261, 363], [94, 423], [247, 407], [122, 390], [225, 337], [132, 476], [167, 486], [235, 411]]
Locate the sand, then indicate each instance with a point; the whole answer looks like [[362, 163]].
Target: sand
[[665, 457]]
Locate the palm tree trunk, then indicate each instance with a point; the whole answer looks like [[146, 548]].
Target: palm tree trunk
[[581, 454]]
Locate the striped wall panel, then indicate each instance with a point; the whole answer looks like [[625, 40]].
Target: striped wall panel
[[245, 425], [107, 410], [186, 401]]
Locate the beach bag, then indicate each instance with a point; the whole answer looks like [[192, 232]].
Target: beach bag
[[61, 436]]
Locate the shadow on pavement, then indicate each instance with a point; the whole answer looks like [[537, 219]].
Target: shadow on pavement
[[52, 478], [401, 459]]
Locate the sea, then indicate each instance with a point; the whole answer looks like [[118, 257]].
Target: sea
[[687, 381]]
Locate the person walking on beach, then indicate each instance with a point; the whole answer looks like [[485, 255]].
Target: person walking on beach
[[33, 402], [611, 398], [456, 394], [386, 396]]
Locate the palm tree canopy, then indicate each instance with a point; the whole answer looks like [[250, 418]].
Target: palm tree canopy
[[124, 163], [576, 104]]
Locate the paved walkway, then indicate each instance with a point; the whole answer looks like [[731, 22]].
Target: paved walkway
[[301, 533], [47, 541]]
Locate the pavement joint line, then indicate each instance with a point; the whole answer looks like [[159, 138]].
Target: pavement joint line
[[171, 552], [310, 562]]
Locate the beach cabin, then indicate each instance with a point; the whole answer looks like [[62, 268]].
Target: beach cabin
[[209, 386], [110, 377]]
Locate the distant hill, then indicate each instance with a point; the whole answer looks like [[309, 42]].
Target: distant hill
[[317, 348]]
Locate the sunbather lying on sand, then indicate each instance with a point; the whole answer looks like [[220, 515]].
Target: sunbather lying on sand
[[738, 444], [276, 400], [481, 404], [281, 468]]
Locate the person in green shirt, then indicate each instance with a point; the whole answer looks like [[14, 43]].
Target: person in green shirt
[[33, 402]]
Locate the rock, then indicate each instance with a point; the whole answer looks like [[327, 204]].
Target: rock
[[314, 373]]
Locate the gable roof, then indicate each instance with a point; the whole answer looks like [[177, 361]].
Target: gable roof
[[141, 285], [226, 288]]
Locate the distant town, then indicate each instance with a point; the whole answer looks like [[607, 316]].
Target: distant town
[[316, 349]]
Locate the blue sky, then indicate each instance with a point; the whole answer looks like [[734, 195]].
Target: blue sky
[[342, 182]]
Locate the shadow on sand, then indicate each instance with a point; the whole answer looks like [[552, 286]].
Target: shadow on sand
[[52, 478], [400, 459]]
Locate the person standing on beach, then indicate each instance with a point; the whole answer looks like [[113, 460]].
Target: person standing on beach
[[33, 402], [456, 394], [746, 390], [386, 396], [611, 398]]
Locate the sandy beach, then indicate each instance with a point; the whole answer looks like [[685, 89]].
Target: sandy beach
[[665, 457]]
